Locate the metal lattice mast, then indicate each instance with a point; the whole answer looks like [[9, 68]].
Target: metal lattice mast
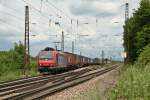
[[103, 55], [56, 43], [26, 41], [62, 42], [126, 18], [72, 47], [126, 11]]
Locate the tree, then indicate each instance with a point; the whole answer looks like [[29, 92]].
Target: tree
[[134, 29], [143, 38], [19, 54]]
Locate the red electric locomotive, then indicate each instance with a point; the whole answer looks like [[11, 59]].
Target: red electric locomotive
[[49, 59]]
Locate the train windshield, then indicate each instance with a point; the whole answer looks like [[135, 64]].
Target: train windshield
[[46, 55]]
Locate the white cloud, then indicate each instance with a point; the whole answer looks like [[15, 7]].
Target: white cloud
[[101, 36]]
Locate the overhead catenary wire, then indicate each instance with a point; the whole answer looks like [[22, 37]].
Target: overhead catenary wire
[[70, 19], [50, 20], [43, 14], [13, 28], [52, 10], [19, 19], [59, 10], [13, 25]]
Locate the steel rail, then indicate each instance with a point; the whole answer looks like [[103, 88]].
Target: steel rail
[[44, 80], [33, 84], [58, 86], [25, 80]]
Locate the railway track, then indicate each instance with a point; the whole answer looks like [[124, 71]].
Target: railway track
[[41, 86]]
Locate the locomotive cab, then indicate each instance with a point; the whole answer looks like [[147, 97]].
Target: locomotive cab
[[46, 59]]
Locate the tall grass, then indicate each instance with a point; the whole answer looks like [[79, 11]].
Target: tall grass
[[134, 84], [34, 69], [10, 75]]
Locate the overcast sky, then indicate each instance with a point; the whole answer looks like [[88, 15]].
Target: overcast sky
[[101, 20]]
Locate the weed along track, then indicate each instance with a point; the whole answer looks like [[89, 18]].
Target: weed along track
[[42, 86]]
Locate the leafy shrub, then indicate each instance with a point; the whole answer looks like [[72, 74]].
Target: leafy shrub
[[12, 62], [144, 57]]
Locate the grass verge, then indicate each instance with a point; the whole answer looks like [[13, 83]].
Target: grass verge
[[134, 84]]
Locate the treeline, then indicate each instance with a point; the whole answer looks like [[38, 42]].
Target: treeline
[[12, 59], [137, 31], [134, 79], [12, 63]]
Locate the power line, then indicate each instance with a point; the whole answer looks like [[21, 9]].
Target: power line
[[49, 18], [10, 24], [43, 14], [39, 11], [59, 9], [18, 18], [53, 11], [70, 19]]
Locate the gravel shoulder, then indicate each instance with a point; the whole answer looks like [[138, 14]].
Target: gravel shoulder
[[95, 89]]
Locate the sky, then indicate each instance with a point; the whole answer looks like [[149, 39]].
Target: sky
[[99, 28]]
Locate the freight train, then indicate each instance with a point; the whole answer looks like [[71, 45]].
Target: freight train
[[50, 59]]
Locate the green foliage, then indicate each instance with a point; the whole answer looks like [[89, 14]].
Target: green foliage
[[12, 63], [137, 31], [19, 54], [10, 75], [33, 65], [13, 58], [133, 84], [143, 38], [144, 57]]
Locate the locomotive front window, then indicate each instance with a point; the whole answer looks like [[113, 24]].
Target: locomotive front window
[[46, 55]]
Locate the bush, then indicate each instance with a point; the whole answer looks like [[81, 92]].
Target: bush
[[144, 57]]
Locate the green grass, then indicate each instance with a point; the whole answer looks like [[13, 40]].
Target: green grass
[[34, 69], [10, 75], [134, 84]]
